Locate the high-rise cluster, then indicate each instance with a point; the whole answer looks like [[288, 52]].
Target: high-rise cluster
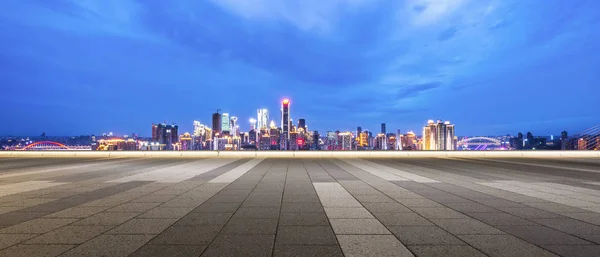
[[439, 136]]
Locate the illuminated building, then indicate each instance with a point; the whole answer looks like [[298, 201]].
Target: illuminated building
[[582, 144], [263, 118], [264, 139], [302, 124], [429, 132], [409, 141], [274, 138], [216, 122], [293, 145], [380, 142], [439, 136], [344, 141], [391, 141], [234, 128], [315, 141], [450, 138], [116, 144], [253, 124], [225, 123], [165, 134], [285, 121], [185, 141], [363, 139], [383, 128]]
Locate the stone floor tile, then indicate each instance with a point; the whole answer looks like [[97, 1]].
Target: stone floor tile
[[571, 226], [251, 227], [574, 250], [541, 235], [187, 235], [401, 219], [109, 245], [305, 235], [439, 213], [372, 246], [418, 202], [386, 207], [241, 245], [424, 235], [37, 226], [106, 219], [257, 213], [204, 218], [445, 251], [77, 212], [504, 246], [347, 213], [133, 207], [340, 202], [143, 226], [34, 250], [303, 219], [307, 251], [531, 213], [376, 198], [358, 227], [217, 207], [72, 235], [151, 250], [7, 240], [471, 207], [302, 207], [501, 219], [166, 213], [466, 227]]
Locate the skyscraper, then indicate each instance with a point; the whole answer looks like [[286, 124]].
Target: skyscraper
[[429, 132], [165, 135], [439, 136], [234, 126], [225, 123], [383, 128], [263, 118], [450, 145], [216, 122], [253, 124], [285, 118], [302, 124]]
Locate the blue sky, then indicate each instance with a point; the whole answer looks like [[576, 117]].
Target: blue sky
[[489, 66]]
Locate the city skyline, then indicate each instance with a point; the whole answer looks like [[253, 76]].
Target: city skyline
[[494, 67]]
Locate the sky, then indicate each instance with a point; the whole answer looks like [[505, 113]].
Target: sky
[[491, 67]]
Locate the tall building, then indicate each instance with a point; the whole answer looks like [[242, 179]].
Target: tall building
[[439, 136], [563, 140], [285, 120], [302, 124], [234, 126], [216, 122], [383, 129], [263, 118], [164, 134], [225, 123], [253, 124]]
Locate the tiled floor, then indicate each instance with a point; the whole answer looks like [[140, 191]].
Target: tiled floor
[[299, 207]]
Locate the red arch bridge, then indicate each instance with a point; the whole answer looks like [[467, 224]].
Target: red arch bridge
[[50, 145]]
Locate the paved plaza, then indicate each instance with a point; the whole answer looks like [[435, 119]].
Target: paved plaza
[[446, 207]]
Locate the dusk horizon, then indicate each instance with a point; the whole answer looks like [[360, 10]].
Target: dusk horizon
[[490, 67]]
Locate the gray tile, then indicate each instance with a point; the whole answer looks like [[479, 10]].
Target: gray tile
[[106, 219], [305, 235], [166, 213], [150, 250], [241, 245], [501, 219], [7, 240], [37, 226], [439, 213], [307, 251], [445, 251], [154, 198], [302, 207], [570, 226], [34, 250], [372, 246], [187, 235], [76, 212], [133, 207], [143, 226], [257, 213], [69, 235], [531, 213], [401, 219], [251, 227], [386, 207], [575, 250], [358, 227], [204, 218], [377, 198], [262, 202], [540, 235], [227, 199], [591, 238], [347, 213], [418, 202], [423, 235], [217, 207], [109, 245], [504, 246], [471, 207], [303, 219], [466, 227]]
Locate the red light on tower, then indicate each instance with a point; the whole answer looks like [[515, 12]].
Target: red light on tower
[[285, 101], [300, 141]]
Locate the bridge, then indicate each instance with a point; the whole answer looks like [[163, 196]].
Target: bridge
[[50, 145], [479, 141]]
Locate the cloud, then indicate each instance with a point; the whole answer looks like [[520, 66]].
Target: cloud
[[447, 34]]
